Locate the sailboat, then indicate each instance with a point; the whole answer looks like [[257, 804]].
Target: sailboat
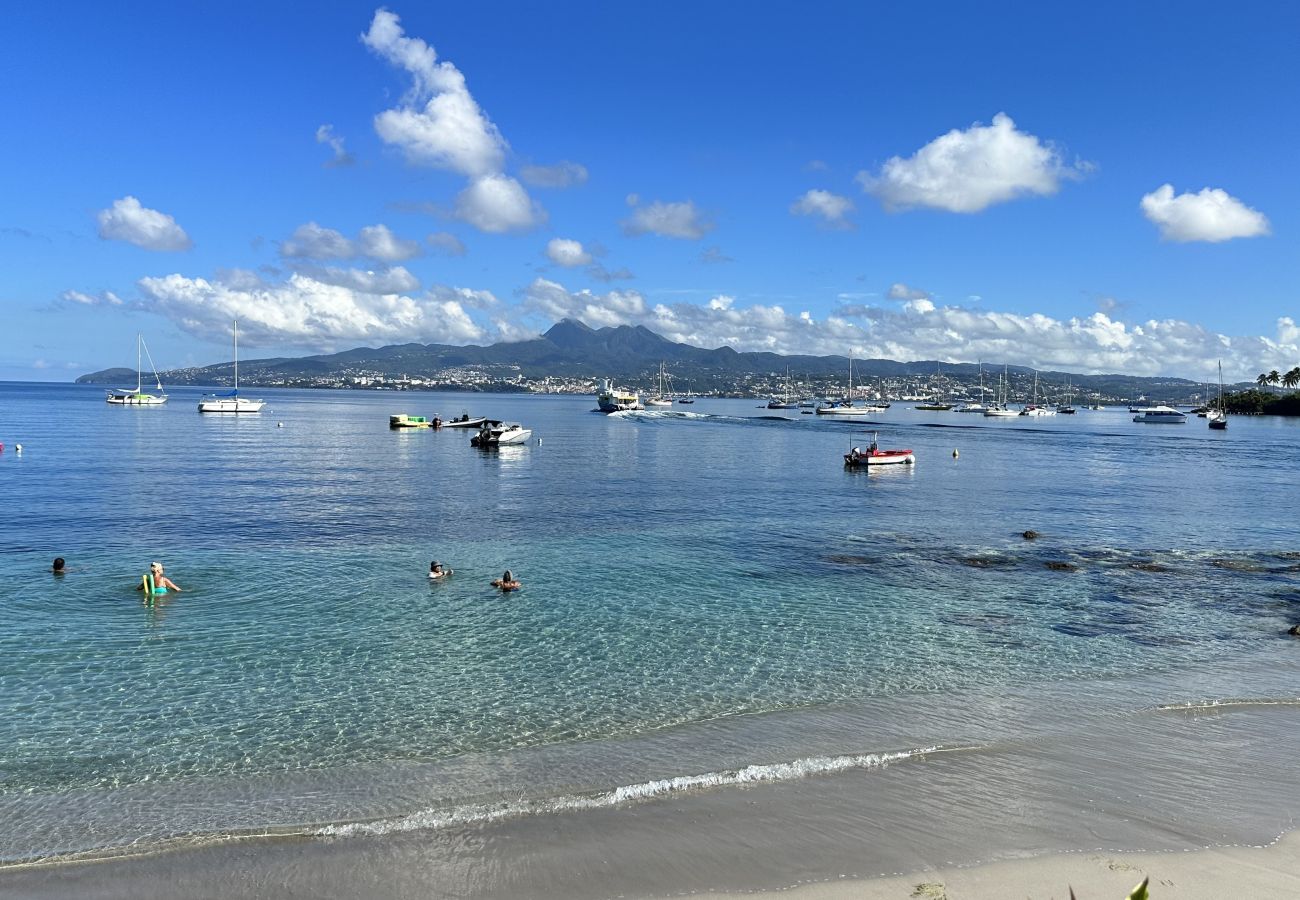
[[935, 403], [786, 400], [230, 401], [139, 397], [999, 409], [971, 406], [847, 408], [1218, 417], [662, 398], [1032, 408]]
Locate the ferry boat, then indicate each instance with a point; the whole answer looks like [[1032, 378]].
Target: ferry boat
[[1161, 415], [611, 399]]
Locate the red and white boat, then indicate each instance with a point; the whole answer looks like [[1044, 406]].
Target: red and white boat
[[872, 456]]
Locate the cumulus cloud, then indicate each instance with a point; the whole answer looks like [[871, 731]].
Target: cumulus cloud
[[446, 244], [967, 171], [600, 273], [498, 204], [567, 253], [377, 242], [103, 298], [1212, 215], [126, 220], [675, 220], [900, 291], [311, 241], [312, 312], [325, 135], [396, 280], [920, 329], [439, 124], [831, 208], [561, 175]]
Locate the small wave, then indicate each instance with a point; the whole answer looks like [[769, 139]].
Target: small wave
[[1228, 703], [474, 814]]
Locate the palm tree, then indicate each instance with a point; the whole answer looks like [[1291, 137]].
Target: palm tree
[[1262, 380], [1291, 378], [1274, 378]]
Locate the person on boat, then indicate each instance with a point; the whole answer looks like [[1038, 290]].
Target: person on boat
[[436, 570], [156, 581], [57, 567], [506, 582], [437, 422]]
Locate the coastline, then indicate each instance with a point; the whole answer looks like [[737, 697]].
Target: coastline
[[1210, 873]]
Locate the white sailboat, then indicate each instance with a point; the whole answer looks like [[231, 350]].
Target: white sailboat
[[139, 397], [1032, 408], [662, 398], [847, 408], [230, 401], [1217, 418], [999, 408], [971, 406]]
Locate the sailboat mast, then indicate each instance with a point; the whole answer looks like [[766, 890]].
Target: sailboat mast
[[236, 346], [139, 361]]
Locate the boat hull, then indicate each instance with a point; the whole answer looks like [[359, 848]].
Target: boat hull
[[231, 405], [133, 399], [871, 458]]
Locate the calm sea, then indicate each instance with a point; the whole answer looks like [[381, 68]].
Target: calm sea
[[719, 624]]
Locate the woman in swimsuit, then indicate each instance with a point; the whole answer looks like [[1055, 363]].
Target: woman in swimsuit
[[161, 583]]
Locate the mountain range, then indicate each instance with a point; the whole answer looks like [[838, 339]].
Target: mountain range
[[626, 353]]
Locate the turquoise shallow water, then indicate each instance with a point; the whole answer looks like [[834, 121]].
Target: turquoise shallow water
[[682, 569]]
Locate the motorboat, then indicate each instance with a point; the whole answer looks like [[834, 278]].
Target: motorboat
[[872, 456], [463, 422], [402, 420], [611, 399], [1000, 412], [139, 396], [1166, 415], [230, 401], [500, 434]]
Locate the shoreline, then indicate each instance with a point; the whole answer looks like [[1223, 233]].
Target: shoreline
[[1208, 873]]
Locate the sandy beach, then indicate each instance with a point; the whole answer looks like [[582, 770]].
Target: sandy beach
[[1217, 873]]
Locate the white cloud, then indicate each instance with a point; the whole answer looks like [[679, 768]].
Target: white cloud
[[396, 280], [126, 220], [832, 208], [922, 330], [103, 298], [498, 204], [446, 244], [675, 220], [450, 131], [311, 313], [1212, 215], [439, 124], [311, 241], [967, 171], [561, 175], [900, 291], [568, 253], [377, 242], [325, 135]]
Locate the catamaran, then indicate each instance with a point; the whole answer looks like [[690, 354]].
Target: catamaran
[[230, 401], [138, 397]]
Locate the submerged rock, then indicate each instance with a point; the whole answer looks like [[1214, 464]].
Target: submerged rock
[[1294, 629], [1059, 566], [1148, 567], [1029, 535]]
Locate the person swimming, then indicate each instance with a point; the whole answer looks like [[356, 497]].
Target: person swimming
[[506, 582], [57, 567], [156, 582], [436, 570]]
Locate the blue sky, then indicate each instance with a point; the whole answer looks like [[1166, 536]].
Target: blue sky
[[961, 181]]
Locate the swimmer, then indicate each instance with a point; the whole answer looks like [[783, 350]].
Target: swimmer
[[161, 584], [57, 567], [436, 570], [506, 582]]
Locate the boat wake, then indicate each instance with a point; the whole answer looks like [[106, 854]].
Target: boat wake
[[483, 813]]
